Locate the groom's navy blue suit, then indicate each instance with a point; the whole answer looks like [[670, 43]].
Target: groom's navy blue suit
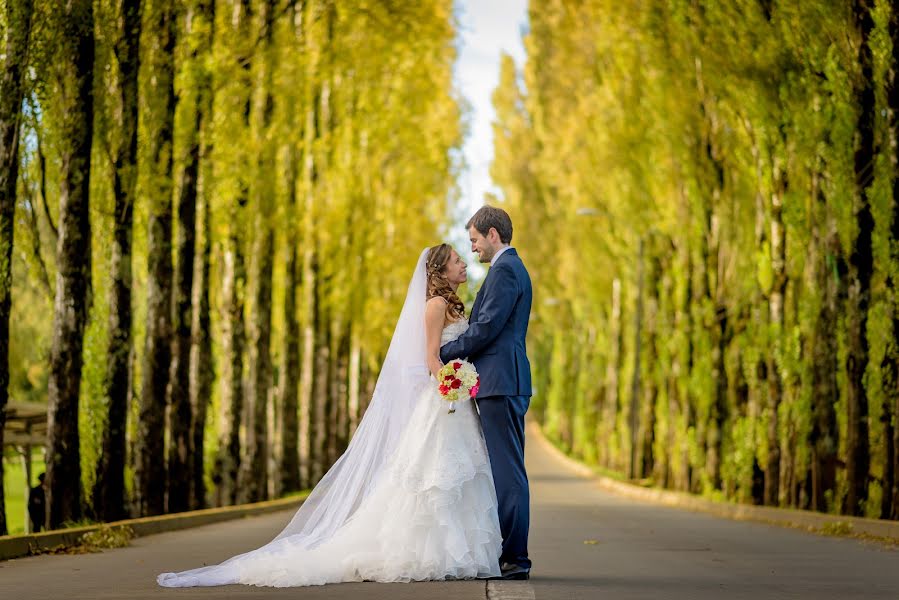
[[495, 343]]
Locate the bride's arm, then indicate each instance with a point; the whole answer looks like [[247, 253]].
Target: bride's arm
[[435, 316]]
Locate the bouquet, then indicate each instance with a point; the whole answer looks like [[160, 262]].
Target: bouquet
[[458, 380]]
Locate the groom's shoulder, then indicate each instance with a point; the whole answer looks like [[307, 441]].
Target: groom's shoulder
[[512, 264], [514, 260], [517, 265], [508, 257]]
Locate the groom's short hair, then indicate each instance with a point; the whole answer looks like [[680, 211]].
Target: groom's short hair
[[490, 216]]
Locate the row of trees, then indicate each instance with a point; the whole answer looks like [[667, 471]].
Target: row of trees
[[707, 192], [229, 196]]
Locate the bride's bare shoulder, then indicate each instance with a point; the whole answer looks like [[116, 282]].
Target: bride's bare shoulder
[[434, 307], [436, 303]]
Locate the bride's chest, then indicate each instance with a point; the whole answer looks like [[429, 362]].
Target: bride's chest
[[452, 331]]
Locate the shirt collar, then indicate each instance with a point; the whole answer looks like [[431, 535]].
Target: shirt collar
[[498, 254]]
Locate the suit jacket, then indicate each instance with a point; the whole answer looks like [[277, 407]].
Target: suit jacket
[[498, 325]]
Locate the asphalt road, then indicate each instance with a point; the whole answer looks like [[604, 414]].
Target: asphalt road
[[585, 543]]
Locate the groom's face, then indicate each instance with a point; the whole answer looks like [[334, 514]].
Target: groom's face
[[481, 245]]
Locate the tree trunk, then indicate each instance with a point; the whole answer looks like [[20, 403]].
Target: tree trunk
[[179, 400], [109, 488], [824, 435], [633, 412], [290, 452], [306, 365], [291, 435], [340, 395], [609, 413], [310, 284], [890, 365], [318, 430], [228, 460], [861, 266], [719, 417], [233, 288], [160, 102], [256, 479], [202, 369], [759, 313], [355, 382], [307, 361], [668, 380], [721, 336], [684, 353], [720, 330], [776, 320], [73, 279], [714, 310], [256, 487], [180, 413], [333, 403], [650, 389], [18, 19]]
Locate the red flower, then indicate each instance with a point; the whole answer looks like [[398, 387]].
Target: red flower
[[474, 390], [457, 365], [444, 390], [456, 384], [447, 377]]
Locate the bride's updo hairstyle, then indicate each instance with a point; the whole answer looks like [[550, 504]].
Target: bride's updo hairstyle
[[439, 285]]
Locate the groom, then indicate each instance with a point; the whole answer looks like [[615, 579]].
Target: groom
[[495, 343]]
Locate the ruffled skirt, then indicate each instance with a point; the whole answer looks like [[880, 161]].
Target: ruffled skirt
[[431, 515]]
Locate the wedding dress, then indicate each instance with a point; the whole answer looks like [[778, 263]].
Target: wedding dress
[[427, 511]]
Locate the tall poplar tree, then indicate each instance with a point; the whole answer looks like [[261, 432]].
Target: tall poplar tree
[[73, 251], [109, 487], [18, 19], [158, 41]]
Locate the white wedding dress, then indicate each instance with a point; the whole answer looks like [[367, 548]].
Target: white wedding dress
[[430, 514]]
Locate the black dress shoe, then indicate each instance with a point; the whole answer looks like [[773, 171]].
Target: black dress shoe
[[514, 573], [522, 576]]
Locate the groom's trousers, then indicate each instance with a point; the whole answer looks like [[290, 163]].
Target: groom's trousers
[[502, 420]]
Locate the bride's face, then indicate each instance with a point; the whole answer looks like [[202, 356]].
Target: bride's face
[[456, 269]]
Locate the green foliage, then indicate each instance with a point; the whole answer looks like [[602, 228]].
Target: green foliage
[[362, 192], [713, 128]]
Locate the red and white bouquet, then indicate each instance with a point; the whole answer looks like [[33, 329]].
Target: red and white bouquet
[[458, 380]]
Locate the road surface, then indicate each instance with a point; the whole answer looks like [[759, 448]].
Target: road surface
[[585, 543]]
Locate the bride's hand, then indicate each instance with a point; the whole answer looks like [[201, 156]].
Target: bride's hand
[[434, 365]]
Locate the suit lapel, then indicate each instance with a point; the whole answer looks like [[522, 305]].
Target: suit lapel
[[477, 301]]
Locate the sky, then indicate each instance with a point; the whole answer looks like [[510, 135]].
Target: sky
[[486, 29]]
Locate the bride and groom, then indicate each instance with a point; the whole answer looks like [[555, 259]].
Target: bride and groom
[[421, 494]]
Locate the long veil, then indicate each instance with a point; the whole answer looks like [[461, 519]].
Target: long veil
[[340, 492], [403, 375]]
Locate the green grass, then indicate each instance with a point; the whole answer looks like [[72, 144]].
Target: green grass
[[14, 488]]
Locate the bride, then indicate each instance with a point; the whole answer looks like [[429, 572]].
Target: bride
[[412, 498]]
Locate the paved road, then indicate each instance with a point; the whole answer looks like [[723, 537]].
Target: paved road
[[631, 551]]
